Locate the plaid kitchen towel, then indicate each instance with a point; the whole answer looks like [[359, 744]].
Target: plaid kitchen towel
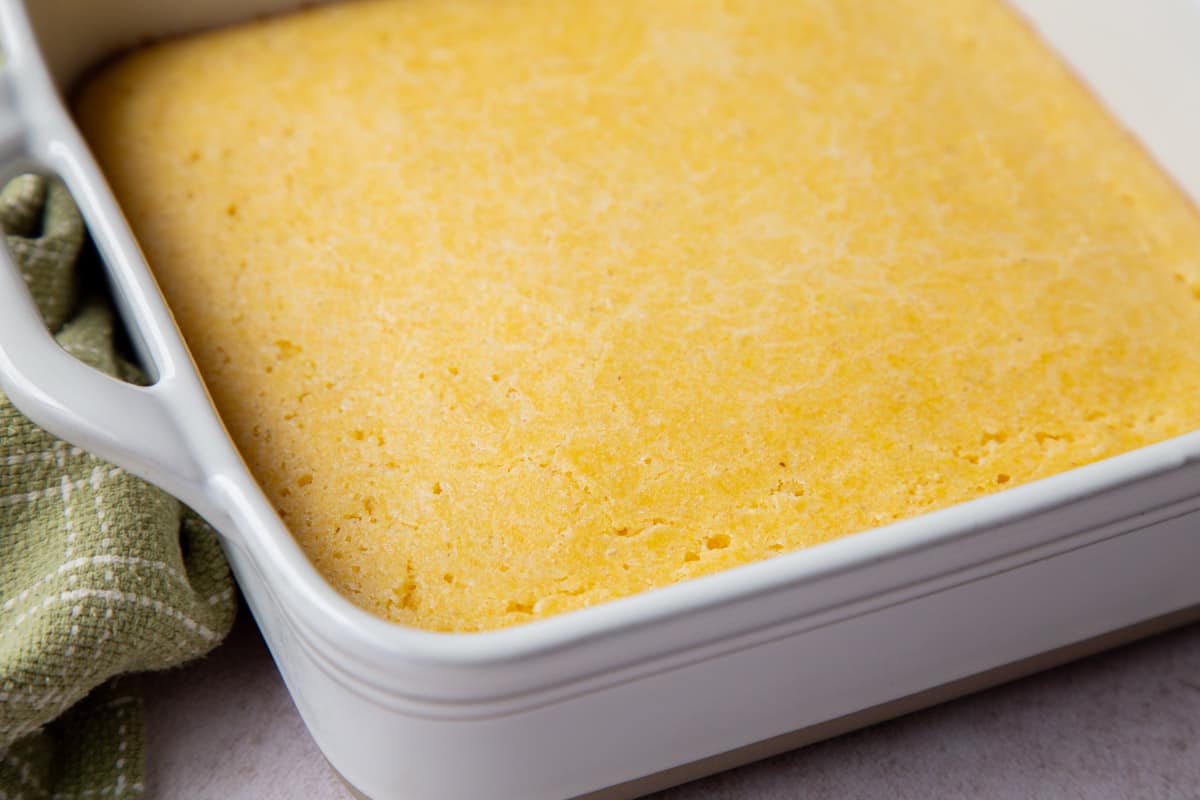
[[101, 574]]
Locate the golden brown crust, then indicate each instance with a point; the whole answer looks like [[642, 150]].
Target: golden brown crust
[[515, 308]]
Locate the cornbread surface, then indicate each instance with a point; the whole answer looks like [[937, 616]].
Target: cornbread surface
[[515, 308]]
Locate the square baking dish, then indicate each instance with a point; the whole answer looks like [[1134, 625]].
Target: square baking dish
[[662, 687]]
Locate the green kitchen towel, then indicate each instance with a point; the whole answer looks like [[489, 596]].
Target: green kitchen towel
[[101, 574]]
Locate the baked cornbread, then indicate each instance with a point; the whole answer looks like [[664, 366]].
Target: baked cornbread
[[515, 308]]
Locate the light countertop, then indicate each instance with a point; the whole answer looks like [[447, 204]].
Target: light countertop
[[1122, 724]]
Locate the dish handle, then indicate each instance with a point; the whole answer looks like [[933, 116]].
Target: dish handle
[[159, 432]]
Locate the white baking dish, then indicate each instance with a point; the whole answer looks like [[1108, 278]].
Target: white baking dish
[[741, 663]]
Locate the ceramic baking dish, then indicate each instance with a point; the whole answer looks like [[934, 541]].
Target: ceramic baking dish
[[657, 688]]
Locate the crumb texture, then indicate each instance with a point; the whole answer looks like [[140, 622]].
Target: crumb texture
[[518, 307]]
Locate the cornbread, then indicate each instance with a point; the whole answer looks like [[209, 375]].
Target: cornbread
[[515, 308]]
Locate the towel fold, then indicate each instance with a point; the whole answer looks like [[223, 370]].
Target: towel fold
[[101, 574]]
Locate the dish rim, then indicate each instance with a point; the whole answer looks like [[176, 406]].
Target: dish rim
[[239, 510]]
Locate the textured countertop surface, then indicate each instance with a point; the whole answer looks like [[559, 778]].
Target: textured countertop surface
[[1122, 724]]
